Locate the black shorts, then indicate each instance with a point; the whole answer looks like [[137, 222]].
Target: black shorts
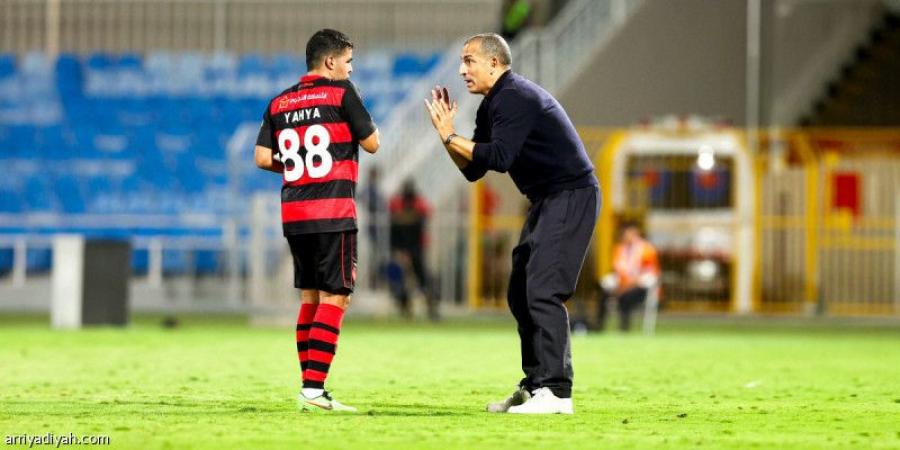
[[324, 261]]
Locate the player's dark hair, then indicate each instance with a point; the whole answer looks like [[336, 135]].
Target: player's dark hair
[[325, 43]]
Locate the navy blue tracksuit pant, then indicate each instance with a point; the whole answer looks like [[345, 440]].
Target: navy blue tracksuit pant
[[545, 268]]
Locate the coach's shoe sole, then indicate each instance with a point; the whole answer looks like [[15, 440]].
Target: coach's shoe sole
[[517, 398], [544, 402]]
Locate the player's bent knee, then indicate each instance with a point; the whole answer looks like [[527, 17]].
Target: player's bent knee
[[339, 300], [310, 296]]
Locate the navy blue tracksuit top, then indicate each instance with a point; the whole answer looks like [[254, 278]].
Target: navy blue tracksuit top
[[522, 129]]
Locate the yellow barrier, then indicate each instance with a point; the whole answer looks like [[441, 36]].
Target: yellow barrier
[[807, 255]]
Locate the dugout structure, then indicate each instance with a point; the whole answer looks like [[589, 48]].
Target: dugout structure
[[808, 224]]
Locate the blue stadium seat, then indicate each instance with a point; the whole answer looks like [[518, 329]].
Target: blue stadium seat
[[68, 65], [96, 187], [10, 201], [36, 64], [251, 64], [100, 61], [6, 260], [21, 140], [68, 78], [211, 141], [431, 61], [50, 143], [7, 64], [69, 190], [208, 262], [189, 178], [222, 62], [289, 64], [111, 144], [140, 261], [174, 139], [129, 61], [38, 195], [407, 64], [141, 113], [141, 139], [38, 260], [8, 149], [133, 112], [175, 262]]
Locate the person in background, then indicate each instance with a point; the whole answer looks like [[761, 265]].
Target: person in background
[[376, 208], [409, 217], [515, 16], [636, 270]]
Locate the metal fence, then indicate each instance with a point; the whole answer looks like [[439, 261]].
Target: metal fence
[[264, 26], [824, 231]]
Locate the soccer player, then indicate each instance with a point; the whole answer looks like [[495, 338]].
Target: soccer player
[[310, 134], [521, 129]]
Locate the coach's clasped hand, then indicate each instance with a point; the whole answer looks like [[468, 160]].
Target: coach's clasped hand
[[442, 111]]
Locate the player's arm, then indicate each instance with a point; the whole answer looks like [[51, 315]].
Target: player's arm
[[371, 143], [360, 121], [265, 159], [263, 154]]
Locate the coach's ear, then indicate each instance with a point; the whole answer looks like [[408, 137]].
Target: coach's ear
[[329, 62]]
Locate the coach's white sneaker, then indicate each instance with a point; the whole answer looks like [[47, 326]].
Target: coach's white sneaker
[[544, 402], [323, 402], [517, 398]]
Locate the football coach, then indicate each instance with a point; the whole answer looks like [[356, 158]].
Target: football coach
[[521, 129]]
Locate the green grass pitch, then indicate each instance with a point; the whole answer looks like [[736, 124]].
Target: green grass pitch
[[215, 383]]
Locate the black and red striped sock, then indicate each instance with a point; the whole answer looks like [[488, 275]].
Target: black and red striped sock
[[304, 319], [323, 337]]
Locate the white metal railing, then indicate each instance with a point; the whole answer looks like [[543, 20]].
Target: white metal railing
[[552, 57], [555, 55], [409, 142], [834, 45], [154, 245]]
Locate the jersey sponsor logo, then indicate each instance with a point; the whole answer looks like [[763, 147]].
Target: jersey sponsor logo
[[308, 98], [288, 102]]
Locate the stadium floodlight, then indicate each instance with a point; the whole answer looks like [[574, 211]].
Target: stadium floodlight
[[706, 158]]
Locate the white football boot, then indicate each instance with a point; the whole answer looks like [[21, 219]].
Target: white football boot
[[517, 398], [543, 401], [323, 402]]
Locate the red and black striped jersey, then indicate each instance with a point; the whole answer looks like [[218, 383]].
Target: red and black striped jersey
[[315, 126]]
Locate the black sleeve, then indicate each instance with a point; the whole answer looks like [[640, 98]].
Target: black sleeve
[[359, 120], [511, 121], [264, 138], [474, 170]]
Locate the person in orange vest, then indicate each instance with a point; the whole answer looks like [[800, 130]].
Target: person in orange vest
[[636, 270]]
